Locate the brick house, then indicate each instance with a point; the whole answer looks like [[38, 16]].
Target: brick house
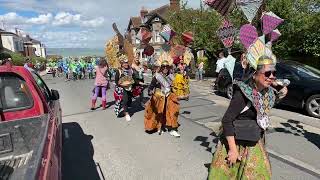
[[153, 20]]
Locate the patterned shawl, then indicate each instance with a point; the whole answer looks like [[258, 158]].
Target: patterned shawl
[[261, 101], [165, 82]]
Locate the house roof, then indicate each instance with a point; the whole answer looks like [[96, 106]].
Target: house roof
[[152, 16], [34, 41], [136, 21], [160, 11], [6, 32]]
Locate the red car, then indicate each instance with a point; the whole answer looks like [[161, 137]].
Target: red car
[[30, 127]]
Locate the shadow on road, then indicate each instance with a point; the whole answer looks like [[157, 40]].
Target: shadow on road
[[208, 145], [77, 154], [295, 128]]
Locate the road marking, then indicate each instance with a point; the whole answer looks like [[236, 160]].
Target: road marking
[[101, 175], [295, 163], [66, 133]]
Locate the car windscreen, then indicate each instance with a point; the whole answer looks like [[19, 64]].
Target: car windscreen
[[14, 93], [306, 71]]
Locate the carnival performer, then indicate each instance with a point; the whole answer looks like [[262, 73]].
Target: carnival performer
[[66, 68], [162, 110], [240, 153], [138, 72], [181, 81], [90, 68], [124, 82], [101, 84]]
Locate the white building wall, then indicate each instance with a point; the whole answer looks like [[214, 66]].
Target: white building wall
[[38, 50], [7, 42], [43, 52]]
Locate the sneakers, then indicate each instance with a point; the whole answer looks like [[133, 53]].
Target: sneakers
[[160, 131], [128, 118], [174, 133]]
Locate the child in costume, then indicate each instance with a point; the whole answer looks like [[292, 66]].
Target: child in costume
[[124, 81], [101, 85], [181, 82]]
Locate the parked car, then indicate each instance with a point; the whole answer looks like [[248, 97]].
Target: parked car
[[303, 91], [30, 127]]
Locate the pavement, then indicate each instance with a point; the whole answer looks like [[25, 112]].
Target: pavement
[[97, 145]]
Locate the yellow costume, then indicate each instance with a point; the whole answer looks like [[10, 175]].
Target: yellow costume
[[181, 86]]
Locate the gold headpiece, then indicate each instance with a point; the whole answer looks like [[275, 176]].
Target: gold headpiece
[[165, 57]]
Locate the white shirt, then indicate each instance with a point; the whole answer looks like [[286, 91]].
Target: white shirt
[[220, 64]]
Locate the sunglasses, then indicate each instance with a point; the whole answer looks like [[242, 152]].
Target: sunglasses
[[268, 73]]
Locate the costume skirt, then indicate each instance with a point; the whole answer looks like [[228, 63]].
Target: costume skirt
[[253, 165], [181, 86], [161, 111], [118, 95]]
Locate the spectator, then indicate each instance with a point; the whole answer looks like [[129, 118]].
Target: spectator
[[220, 62], [200, 70]]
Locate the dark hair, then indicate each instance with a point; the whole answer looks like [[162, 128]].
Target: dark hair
[[103, 63]]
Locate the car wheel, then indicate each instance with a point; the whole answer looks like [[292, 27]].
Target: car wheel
[[313, 106], [229, 91]]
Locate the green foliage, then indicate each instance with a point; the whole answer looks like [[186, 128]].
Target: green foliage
[[35, 60], [202, 22], [300, 31], [17, 59]]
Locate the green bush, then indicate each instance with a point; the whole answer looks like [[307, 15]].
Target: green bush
[[17, 59], [35, 59]]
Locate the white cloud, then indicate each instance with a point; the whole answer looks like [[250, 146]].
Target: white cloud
[[12, 18], [93, 23], [65, 18], [80, 15], [41, 19], [68, 19]]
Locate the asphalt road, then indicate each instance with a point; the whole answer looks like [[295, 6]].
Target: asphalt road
[[97, 144]]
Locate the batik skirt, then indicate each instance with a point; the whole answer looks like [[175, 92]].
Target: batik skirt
[[181, 86], [161, 112], [254, 164]]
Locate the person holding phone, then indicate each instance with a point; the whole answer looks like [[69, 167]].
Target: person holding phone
[[240, 151]]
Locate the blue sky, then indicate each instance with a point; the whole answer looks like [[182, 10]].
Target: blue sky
[[72, 23]]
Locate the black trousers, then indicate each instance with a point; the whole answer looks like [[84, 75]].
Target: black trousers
[[126, 100]]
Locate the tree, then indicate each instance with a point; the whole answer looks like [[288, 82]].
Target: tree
[[202, 22], [300, 32]]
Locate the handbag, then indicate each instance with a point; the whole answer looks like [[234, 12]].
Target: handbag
[[247, 130]]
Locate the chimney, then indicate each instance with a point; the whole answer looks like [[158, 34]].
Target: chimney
[[175, 5], [143, 12]]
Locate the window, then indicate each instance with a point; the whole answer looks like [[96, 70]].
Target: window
[[14, 93], [157, 37], [43, 87]]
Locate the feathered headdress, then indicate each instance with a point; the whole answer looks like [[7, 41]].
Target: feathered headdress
[[165, 58], [259, 53], [187, 57]]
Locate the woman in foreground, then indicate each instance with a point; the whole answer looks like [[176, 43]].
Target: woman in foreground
[[240, 153]]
